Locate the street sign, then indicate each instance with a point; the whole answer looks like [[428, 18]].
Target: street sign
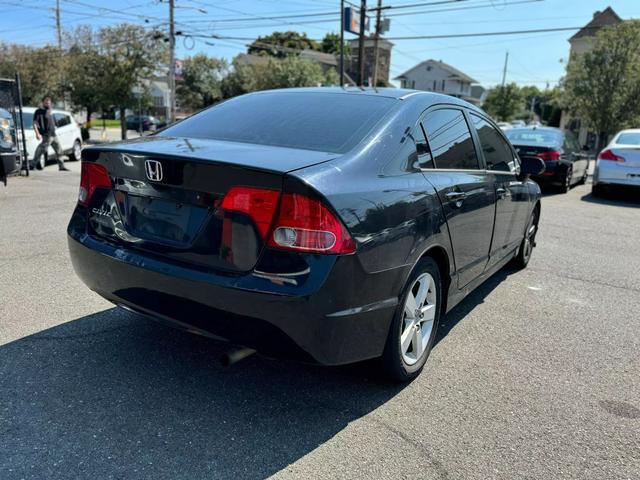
[[352, 21]]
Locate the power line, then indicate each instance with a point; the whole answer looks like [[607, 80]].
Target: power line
[[487, 34]]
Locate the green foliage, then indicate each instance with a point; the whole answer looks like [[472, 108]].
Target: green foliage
[[505, 102], [41, 70], [603, 85], [282, 44], [276, 73], [201, 85]]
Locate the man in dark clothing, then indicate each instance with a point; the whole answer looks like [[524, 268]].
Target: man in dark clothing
[[45, 128]]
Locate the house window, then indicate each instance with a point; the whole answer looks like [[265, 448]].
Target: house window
[[413, 84], [434, 85], [462, 88], [443, 85]]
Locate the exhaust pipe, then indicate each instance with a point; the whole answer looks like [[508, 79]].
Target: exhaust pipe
[[234, 356]]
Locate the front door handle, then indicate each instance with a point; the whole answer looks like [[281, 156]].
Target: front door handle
[[456, 198], [502, 193]]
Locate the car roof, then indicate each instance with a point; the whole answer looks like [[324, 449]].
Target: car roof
[[543, 129], [54, 110], [629, 130], [401, 94]]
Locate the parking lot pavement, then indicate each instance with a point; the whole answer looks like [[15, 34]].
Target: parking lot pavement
[[535, 375]]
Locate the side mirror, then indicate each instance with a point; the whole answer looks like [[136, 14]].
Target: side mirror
[[532, 166]]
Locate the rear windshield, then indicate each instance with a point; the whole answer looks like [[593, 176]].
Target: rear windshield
[[534, 136], [631, 138], [327, 122]]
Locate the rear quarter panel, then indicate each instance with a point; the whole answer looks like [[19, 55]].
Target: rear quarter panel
[[392, 212]]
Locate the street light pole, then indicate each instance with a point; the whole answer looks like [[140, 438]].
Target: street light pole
[[172, 66], [342, 43], [363, 18], [375, 45]]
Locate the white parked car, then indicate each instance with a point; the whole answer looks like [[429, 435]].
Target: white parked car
[[67, 131], [619, 163]]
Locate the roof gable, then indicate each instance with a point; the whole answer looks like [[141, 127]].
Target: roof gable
[[453, 72], [605, 18]]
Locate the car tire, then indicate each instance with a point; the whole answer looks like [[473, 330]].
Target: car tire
[[76, 151], [583, 180], [415, 321], [41, 162], [566, 185], [521, 260]]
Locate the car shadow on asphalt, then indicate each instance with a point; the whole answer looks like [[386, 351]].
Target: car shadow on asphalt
[[475, 298], [619, 199], [116, 394]]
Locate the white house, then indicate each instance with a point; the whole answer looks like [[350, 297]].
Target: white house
[[437, 76]]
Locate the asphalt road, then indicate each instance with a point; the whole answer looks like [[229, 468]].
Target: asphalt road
[[536, 374]]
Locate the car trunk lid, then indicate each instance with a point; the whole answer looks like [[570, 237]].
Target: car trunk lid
[[166, 197]]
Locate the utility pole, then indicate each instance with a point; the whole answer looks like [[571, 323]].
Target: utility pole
[[342, 43], [363, 18], [375, 45], [504, 71], [58, 28], [172, 66], [504, 79]]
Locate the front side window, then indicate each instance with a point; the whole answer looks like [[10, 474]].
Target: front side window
[[496, 151], [61, 119], [450, 140]]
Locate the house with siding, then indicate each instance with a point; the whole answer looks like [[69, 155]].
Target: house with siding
[[440, 77]]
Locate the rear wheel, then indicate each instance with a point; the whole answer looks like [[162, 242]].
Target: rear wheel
[[415, 322], [521, 260], [566, 186], [76, 151]]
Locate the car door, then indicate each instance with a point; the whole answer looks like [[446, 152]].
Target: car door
[[465, 189], [512, 194], [64, 132]]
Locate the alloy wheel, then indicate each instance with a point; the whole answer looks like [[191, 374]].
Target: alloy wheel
[[418, 318], [77, 151]]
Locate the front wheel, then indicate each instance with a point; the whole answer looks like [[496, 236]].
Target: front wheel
[[415, 323]]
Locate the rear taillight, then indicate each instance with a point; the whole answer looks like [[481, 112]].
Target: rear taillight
[[305, 224], [609, 155], [93, 176], [301, 223], [258, 203], [549, 156]]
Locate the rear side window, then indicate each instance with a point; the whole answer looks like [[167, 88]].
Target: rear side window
[[327, 122], [496, 151], [450, 140], [61, 119]]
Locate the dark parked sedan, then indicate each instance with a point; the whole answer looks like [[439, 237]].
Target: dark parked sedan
[[567, 163], [144, 122], [334, 225], [9, 157]]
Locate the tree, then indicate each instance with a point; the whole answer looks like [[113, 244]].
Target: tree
[[41, 70], [201, 83], [504, 102], [131, 54], [603, 85], [276, 73], [282, 44]]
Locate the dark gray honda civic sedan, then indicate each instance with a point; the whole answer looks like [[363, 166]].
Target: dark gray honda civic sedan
[[335, 225]]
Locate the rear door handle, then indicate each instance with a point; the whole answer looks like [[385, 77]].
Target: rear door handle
[[502, 193], [456, 197]]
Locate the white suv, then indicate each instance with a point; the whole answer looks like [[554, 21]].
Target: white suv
[[67, 131]]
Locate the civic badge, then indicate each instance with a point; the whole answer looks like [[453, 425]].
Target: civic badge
[[154, 170]]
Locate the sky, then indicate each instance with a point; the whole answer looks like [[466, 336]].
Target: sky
[[534, 58]]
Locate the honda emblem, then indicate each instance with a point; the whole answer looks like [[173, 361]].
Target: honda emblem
[[154, 170]]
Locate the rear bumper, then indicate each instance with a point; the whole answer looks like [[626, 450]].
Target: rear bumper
[[611, 173], [333, 320], [8, 163]]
